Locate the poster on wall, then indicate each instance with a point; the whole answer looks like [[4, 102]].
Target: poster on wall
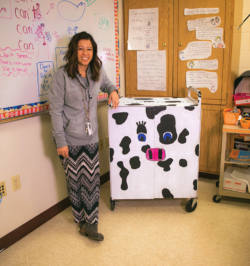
[[200, 11], [203, 22], [202, 79], [151, 70], [196, 50], [143, 29], [213, 34], [203, 64]]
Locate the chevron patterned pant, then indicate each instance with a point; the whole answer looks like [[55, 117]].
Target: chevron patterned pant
[[83, 181]]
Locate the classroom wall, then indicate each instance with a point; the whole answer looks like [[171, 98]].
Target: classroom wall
[[241, 40], [26, 149]]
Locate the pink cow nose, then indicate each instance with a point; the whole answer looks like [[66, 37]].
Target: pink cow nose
[[155, 154]]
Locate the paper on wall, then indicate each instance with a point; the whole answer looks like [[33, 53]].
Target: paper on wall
[[203, 64], [213, 34], [151, 70], [196, 50], [199, 11], [143, 29], [203, 22], [202, 79]]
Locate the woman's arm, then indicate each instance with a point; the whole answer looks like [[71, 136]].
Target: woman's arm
[[108, 87], [56, 102]]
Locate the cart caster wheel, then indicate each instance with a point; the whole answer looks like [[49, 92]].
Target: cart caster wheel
[[190, 207], [112, 205], [217, 183], [216, 198]]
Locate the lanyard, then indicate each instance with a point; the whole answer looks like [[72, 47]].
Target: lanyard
[[87, 98]]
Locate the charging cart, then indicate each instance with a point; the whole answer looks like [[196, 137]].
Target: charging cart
[[154, 148]]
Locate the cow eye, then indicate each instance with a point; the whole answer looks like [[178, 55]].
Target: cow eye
[[167, 136], [142, 137]]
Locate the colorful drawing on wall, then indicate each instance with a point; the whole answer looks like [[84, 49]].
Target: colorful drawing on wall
[[41, 34], [70, 11], [104, 27]]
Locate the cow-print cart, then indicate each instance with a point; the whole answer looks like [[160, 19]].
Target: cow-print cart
[[154, 148]]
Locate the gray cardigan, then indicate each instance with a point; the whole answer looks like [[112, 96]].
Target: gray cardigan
[[67, 107]]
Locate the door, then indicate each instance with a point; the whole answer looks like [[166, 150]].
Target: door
[[130, 133], [177, 131], [183, 37], [165, 42]]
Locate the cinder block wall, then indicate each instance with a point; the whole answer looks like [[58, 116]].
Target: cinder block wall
[[241, 40]]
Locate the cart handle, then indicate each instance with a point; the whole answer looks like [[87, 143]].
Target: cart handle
[[198, 94]]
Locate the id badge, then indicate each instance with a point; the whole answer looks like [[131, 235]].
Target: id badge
[[88, 128]]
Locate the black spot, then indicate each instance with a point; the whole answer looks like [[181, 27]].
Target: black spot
[[143, 99], [197, 148], [158, 109], [145, 148], [171, 104], [150, 112], [123, 174], [125, 145], [134, 104], [111, 154], [182, 137], [135, 162], [189, 108], [199, 93], [120, 118], [183, 163], [195, 184], [165, 164], [167, 130], [167, 194]]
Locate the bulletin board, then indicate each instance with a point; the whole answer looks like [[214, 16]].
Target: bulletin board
[[34, 38]]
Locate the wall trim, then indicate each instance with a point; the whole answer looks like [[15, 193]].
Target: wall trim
[[209, 176], [20, 232]]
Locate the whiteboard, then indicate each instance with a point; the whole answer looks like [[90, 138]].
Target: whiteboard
[[34, 38]]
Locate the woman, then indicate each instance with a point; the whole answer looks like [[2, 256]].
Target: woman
[[73, 106]]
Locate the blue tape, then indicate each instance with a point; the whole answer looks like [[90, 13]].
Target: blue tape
[[1, 197]]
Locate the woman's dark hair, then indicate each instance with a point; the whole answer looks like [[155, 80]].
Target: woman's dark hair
[[72, 61]]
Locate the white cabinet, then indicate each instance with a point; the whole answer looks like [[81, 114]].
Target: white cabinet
[[154, 148]]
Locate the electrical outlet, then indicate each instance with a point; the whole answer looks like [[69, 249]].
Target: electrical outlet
[[3, 188], [16, 184], [101, 144], [107, 142]]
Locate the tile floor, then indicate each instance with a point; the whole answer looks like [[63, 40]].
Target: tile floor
[[144, 232]]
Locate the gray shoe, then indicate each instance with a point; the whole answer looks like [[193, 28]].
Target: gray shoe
[[91, 231]]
